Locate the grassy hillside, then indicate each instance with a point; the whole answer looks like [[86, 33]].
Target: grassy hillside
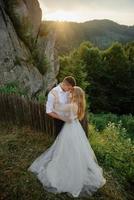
[[20, 146], [100, 32]]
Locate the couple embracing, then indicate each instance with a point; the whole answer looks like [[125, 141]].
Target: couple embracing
[[69, 165]]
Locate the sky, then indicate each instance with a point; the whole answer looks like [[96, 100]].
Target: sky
[[120, 11]]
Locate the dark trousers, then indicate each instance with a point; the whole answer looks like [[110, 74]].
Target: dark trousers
[[58, 124]]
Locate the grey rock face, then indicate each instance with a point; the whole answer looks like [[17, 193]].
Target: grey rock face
[[15, 54], [26, 17], [47, 47], [14, 58]]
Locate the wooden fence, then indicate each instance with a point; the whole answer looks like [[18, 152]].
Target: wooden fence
[[21, 111]]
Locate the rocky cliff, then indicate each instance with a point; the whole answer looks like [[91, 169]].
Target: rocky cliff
[[26, 56]]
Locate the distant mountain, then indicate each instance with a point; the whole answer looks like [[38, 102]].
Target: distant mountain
[[100, 32]]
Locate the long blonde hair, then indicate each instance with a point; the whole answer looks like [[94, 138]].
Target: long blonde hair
[[78, 97]]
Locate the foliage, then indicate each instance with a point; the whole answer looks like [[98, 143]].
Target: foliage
[[106, 76], [41, 98], [128, 123], [17, 61], [118, 76], [114, 150], [13, 88], [72, 65], [40, 60], [101, 120]]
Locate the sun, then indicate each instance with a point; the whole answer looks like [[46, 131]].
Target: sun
[[62, 15]]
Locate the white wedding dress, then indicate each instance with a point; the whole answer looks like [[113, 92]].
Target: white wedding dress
[[70, 164]]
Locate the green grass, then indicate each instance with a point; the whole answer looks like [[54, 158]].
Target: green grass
[[18, 149]]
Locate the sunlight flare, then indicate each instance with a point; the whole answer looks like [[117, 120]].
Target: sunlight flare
[[62, 15]]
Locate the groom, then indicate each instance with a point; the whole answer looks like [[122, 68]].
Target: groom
[[63, 90]]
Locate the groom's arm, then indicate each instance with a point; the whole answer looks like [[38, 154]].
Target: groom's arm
[[54, 115], [50, 105]]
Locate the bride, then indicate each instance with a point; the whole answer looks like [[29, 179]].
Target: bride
[[70, 164]]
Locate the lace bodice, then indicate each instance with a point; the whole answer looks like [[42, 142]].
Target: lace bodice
[[69, 110]]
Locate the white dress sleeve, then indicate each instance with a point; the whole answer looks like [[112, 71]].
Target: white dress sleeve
[[69, 110]]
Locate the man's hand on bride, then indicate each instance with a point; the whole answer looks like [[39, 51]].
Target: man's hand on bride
[[66, 119]]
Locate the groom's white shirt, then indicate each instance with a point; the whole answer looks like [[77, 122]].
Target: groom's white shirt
[[63, 98]]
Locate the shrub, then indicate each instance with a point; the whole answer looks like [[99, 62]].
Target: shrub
[[13, 88], [102, 119], [114, 150], [40, 61], [128, 123], [41, 98]]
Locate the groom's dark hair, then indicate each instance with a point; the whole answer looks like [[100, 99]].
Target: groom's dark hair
[[71, 80]]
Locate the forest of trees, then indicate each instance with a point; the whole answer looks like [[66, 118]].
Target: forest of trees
[[107, 76]]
